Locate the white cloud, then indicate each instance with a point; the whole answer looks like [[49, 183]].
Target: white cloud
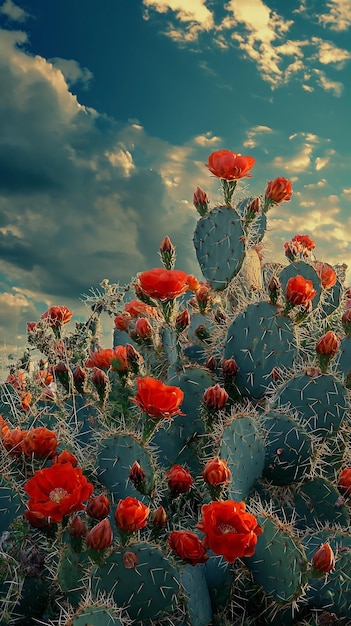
[[195, 10], [321, 162], [207, 140], [329, 53], [123, 159], [72, 71], [338, 16], [13, 11], [254, 135], [329, 85]]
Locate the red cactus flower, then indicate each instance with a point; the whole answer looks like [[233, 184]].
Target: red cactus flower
[[12, 439], [40, 442], [57, 491], [57, 316], [100, 358], [304, 241], [163, 284], [131, 514], [229, 529], [179, 479], [230, 165], [119, 361], [137, 307], [279, 190], [187, 546], [326, 274], [158, 400], [216, 472], [299, 291], [121, 322]]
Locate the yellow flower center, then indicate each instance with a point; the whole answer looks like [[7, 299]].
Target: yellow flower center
[[57, 494]]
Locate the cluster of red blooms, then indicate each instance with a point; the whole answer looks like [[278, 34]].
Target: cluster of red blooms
[[37, 442]]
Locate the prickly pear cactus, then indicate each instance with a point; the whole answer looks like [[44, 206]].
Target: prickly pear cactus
[[198, 472]]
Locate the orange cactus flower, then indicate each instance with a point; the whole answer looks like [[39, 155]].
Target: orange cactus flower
[[187, 546], [328, 344], [119, 361], [158, 400], [163, 284], [131, 514], [100, 536], [137, 307], [230, 165], [179, 479], [229, 529], [299, 291], [344, 481], [57, 490], [279, 190], [216, 472], [57, 316], [12, 439], [40, 442], [304, 241], [323, 559], [100, 358], [326, 273], [66, 457]]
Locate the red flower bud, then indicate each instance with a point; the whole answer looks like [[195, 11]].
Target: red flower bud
[[230, 369], [201, 201], [79, 377], [57, 316], [130, 559], [98, 507], [77, 528], [121, 322], [179, 479], [215, 397], [137, 475], [346, 321], [131, 514], [100, 536], [66, 457], [216, 472], [182, 320], [344, 481], [167, 245], [328, 344], [323, 559], [159, 517], [211, 363], [143, 328], [187, 546]]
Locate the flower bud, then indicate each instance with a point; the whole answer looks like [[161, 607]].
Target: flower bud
[[323, 559], [137, 475], [346, 321], [230, 369], [100, 536], [77, 528], [182, 320], [274, 287], [344, 481], [328, 344], [101, 382], [61, 373], [201, 201], [216, 472], [79, 378], [121, 322], [98, 507], [168, 253], [159, 517], [204, 298], [211, 363], [179, 479], [143, 328], [215, 397]]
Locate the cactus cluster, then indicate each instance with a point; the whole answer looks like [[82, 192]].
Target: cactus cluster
[[197, 472]]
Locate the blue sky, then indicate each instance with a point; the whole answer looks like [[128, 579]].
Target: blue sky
[[109, 110]]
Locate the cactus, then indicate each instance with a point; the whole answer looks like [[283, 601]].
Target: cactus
[[112, 458]]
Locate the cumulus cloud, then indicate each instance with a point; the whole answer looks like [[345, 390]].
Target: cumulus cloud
[[72, 71], [254, 135], [13, 12], [337, 15]]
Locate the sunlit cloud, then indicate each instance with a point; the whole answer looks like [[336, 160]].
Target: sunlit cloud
[[254, 135], [328, 53], [329, 85], [338, 15]]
